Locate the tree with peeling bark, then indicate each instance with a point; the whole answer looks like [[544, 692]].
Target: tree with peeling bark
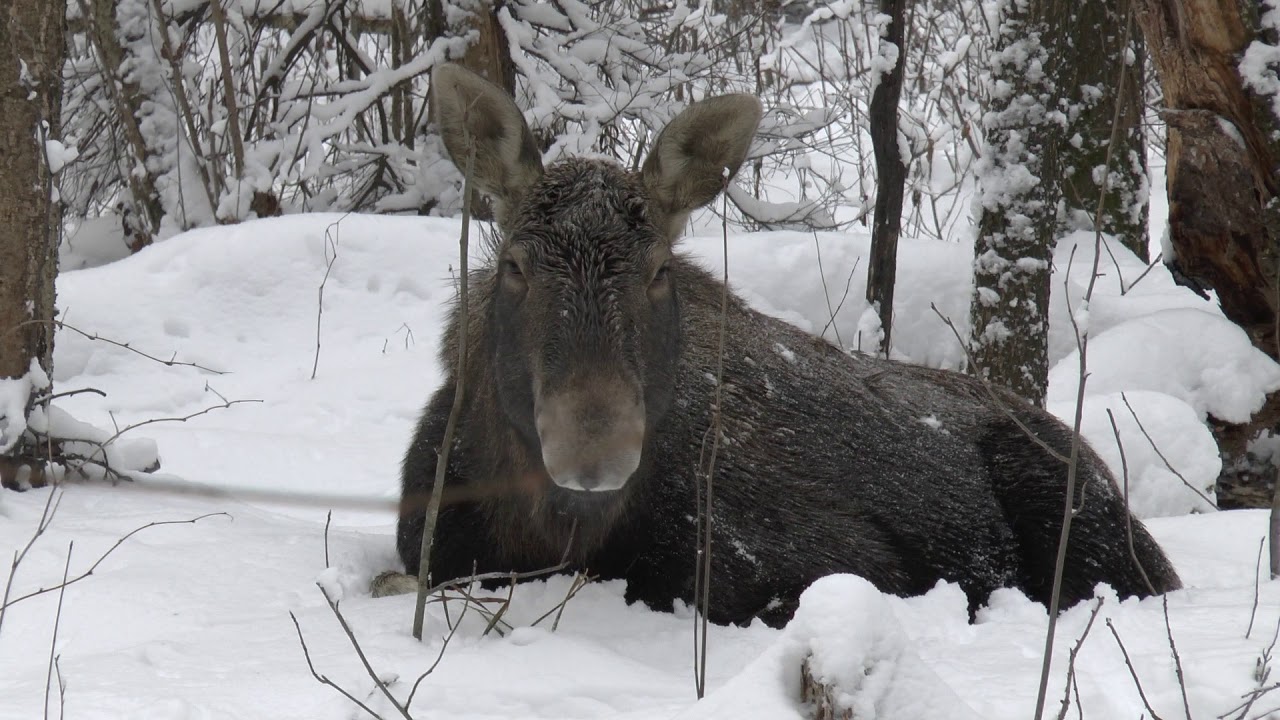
[[1218, 62], [31, 54], [1217, 67], [1052, 94]]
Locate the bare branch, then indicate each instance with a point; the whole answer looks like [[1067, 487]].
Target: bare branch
[[1177, 659], [105, 555], [1132, 673], [57, 620], [323, 680], [171, 362], [51, 504], [355, 644], [1128, 516], [459, 393], [1160, 454], [1071, 662]]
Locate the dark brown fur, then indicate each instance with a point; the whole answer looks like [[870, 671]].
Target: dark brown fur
[[826, 462]]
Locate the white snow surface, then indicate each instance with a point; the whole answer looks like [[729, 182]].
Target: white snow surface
[[193, 620]]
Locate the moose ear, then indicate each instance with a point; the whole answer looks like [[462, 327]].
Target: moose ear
[[696, 155], [474, 113]]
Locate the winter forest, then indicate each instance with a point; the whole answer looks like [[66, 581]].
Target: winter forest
[[986, 424]]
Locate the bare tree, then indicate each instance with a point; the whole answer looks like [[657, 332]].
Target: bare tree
[[891, 171], [32, 48]]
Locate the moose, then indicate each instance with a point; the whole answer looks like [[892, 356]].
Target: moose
[[590, 390]]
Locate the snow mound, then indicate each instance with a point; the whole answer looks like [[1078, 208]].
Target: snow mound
[[1200, 358], [847, 632], [1126, 288], [1176, 432]]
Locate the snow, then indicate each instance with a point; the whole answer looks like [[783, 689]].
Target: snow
[[1259, 62], [192, 620], [14, 394]]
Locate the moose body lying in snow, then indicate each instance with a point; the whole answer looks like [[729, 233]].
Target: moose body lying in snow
[[588, 395]]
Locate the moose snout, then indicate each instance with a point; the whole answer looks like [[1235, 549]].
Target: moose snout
[[591, 436]]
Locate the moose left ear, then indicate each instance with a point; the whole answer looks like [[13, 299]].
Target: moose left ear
[[687, 167]]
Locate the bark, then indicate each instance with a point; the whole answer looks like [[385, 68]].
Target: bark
[[490, 57], [1019, 188], [1107, 35], [490, 54], [820, 698], [145, 211], [1048, 142], [1223, 216], [891, 176], [31, 54]]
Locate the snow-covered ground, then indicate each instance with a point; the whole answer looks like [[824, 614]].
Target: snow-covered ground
[[192, 620]]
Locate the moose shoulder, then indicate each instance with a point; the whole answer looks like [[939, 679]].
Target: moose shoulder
[[588, 396]]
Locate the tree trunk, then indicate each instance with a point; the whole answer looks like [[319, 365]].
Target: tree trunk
[[143, 210], [1019, 192], [891, 174], [31, 55], [1222, 183], [1224, 218], [1053, 109], [1115, 97], [490, 57]]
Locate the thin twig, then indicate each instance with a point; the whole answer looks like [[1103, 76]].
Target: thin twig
[[62, 687], [57, 620], [1132, 672], [580, 580], [459, 391], [1082, 346], [330, 244], [323, 680], [703, 599], [1150, 266], [1274, 527], [1071, 663], [1177, 659], [1000, 403], [105, 555], [171, 362], [151, 421], [1257, 571], [355, 644], [502, 609], [457, 583], [1125, 398], [1128, 516], [45, 400], [453, 629], [51, 503], [328, 517]]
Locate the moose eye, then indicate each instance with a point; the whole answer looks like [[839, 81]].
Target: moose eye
[[661, 276], [511, 268]]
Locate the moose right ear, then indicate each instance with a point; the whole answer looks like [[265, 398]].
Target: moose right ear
[[696, 155], [474, 113]]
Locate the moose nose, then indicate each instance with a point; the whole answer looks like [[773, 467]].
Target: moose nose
[[591, 435]]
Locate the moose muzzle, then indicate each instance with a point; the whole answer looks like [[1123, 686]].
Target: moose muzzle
[[592, 434]]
